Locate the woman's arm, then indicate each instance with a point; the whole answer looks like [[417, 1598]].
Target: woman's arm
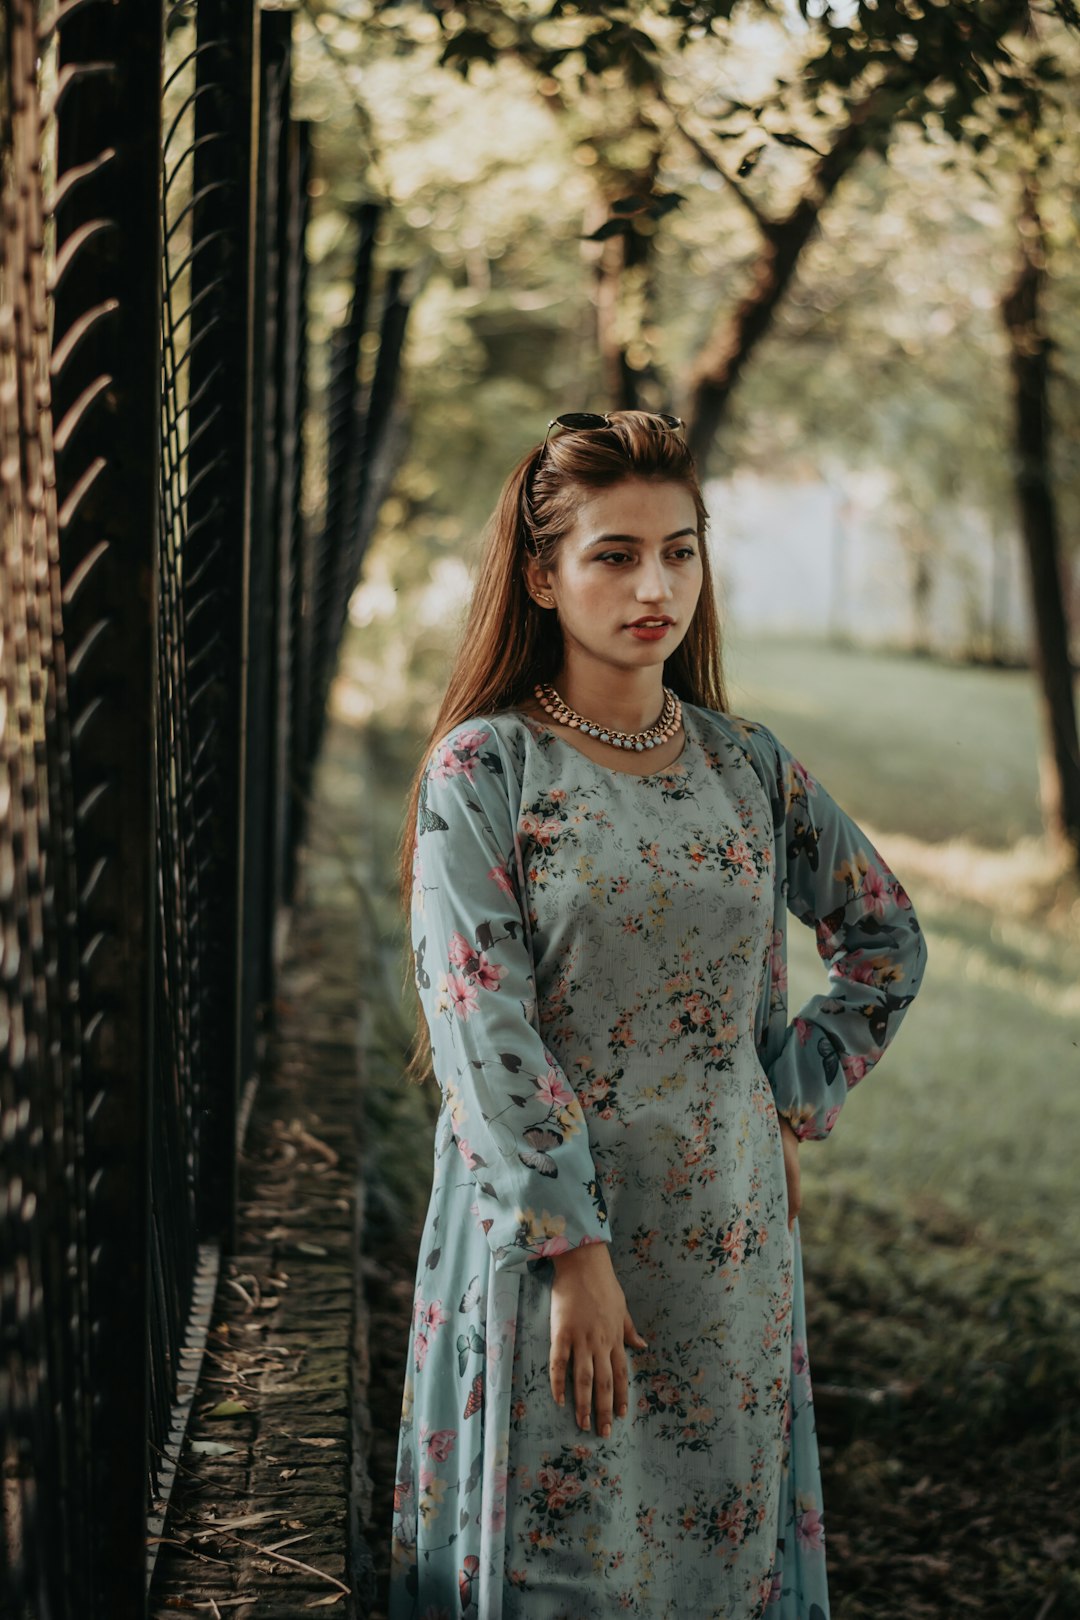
[[518, 1125], [867, 934]]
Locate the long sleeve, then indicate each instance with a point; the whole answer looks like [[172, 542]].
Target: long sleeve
[[867, 935], [518, 1125]]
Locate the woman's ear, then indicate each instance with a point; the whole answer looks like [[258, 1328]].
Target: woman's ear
[[538, 582]]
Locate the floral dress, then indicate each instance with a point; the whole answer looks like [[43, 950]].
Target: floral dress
[[601, 960]]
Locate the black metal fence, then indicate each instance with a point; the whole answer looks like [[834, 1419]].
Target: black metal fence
[[169, 624]]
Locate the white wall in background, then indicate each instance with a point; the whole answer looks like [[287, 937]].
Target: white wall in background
[[828, 557]]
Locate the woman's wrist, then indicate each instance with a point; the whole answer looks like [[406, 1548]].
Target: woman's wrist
[[584, 1256]]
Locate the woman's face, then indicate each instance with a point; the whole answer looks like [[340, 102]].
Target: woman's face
[[627, 575]]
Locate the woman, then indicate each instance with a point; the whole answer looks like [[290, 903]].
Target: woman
[[607, 1406]]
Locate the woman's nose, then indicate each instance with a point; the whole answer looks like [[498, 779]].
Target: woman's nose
[[654, 585]]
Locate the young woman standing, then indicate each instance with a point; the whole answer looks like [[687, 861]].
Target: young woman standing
[[607, 1405]]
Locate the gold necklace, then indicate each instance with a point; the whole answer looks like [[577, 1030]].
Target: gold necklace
[[666, 727]]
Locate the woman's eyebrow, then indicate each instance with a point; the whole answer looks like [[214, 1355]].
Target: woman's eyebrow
[[608, 539]]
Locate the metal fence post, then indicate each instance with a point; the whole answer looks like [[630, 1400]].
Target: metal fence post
[[105, 409]]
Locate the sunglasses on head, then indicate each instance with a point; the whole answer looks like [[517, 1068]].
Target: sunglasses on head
[[577, 420]]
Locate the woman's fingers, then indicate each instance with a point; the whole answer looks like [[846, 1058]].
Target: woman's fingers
[[603, 1390], [583, 1385], [620, 1382], [588, 1309], [631, 1334], [560, 1355]]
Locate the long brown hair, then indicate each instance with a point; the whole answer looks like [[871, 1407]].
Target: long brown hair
[[509, 642]]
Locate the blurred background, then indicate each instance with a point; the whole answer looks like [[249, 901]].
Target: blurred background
[[286, 288], [841, 242]]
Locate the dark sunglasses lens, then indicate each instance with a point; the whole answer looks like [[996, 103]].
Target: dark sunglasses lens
[[581, 419]]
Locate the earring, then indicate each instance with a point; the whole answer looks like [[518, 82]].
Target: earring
[[544, 601]]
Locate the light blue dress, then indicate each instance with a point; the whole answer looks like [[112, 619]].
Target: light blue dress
[[601, 960]]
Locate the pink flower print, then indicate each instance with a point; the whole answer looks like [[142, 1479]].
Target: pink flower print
[[420, 1350], [875, 892], [854, 1065], [462, 995], [459, 759], [500, 876], [441, 1443], [740, 851], [799, 1363], [801, 775], [467, 1154], [830, 1116], [435, 1316], [461, 953], [732, 1242], [803, 1030], [553, 1091], [486, 974], [810, 1529], [777, 965], [541, 829], [856, 972]]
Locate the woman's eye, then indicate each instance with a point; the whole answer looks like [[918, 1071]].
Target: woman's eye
[[614, 556]]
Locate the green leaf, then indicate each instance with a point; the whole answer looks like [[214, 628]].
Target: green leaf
[[634, 204], [665, 203], [785, 138], [610, 227]]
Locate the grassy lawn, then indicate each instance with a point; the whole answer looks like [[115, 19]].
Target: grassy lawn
[[978, 1102]]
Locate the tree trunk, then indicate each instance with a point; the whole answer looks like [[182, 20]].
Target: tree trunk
[[626, 387], [1029, 348], [722, 360]]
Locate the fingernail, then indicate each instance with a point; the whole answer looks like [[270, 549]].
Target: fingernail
[[587, 1423], [606, 1430], [622, 1411], [562, 1400]]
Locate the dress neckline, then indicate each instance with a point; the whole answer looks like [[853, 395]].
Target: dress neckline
[[678, 765]]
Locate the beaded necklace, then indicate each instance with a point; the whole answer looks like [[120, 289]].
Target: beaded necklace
[[666, 727]]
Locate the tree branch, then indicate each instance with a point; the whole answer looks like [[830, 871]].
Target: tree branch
[[766, 225]]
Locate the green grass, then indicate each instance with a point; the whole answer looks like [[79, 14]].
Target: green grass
[[977, 1104], [951, 750]]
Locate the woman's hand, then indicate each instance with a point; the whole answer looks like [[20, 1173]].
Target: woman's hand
[[590, 1321], [791, 1167]]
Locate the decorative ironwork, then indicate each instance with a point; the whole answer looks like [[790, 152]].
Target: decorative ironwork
[[168, 629]]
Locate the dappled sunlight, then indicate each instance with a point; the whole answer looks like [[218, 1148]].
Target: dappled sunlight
[[1026, 883]]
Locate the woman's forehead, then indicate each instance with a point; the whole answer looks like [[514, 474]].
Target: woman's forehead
[[638, 508]]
